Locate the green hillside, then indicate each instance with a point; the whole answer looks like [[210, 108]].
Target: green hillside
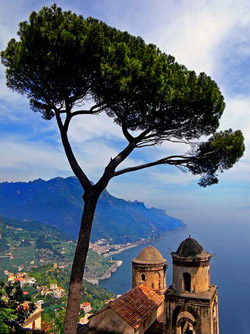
[[25, 245]]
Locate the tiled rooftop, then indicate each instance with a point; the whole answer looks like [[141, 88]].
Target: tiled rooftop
[[135, 305]]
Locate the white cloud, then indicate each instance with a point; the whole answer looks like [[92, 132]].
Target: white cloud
[[174, 177], [237, 116], [84, 128], [22, 160], [195, 34], [147, 192], [94, 156], [189, 30]]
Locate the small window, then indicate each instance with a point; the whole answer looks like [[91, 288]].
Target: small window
[[143, 277], [187, 282]]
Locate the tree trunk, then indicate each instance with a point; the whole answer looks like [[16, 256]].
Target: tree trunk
[[77, 271]]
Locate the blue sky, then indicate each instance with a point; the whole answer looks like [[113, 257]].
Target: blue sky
[[206, 36]]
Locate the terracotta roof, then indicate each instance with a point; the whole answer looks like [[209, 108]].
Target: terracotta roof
[[135, 305], [149, 255], [20, 279]]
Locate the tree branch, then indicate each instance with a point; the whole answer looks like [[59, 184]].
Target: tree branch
[[59, 120], [149, 144], [175, 160], [83, 179], [126, 134], [152, 142], [109, 171], [142, 135], [82, 112], [91, 111], [67, 121], [87, 112], [168, 160]]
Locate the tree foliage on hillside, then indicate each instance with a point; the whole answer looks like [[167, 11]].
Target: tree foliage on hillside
[[61, 61], [12, 311]]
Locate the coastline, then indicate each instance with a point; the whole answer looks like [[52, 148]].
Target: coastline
[[118, 263], [144, 241], [107, 274]]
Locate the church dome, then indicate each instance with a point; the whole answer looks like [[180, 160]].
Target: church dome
[[149, 255], [190, 247]]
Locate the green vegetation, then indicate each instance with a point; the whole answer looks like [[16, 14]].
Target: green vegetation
[[25, 243], [46, 275], [96, 264], [12, 312], [54, 308], [29, 242], [53, 320]]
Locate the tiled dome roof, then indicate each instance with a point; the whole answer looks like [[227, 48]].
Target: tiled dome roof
[[149, 255]]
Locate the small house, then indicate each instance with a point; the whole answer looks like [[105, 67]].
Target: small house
[[132, 313], [86, 307]]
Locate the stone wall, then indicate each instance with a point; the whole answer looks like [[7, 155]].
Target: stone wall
[[201, 314], [153, 276], [200, 277], [109, 322]]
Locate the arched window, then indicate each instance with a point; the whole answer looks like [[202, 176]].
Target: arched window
[[143, 277], [187, 282], [185, 323]]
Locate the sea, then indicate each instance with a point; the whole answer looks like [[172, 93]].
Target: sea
[[230, 268]]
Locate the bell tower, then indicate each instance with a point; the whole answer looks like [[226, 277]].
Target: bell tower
[[191, 301], [149, 268]]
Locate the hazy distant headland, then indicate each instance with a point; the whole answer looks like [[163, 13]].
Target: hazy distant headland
[[58, 203]]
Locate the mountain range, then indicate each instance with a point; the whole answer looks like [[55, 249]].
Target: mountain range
[[58, 203]]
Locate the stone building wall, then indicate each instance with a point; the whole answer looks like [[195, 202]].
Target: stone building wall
[[200, 277], [200, 313], [153, 276], [109, 322]]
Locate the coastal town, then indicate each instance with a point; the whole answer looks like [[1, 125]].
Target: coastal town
[[48, 291], [45, 282], [106, 248]]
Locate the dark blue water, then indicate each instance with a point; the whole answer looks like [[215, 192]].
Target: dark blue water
[[230, 268]]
